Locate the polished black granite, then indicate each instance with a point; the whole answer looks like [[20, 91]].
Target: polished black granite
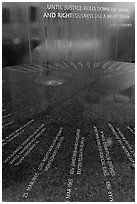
[[72, 95]]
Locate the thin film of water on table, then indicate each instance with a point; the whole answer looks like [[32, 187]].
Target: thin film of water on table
[[68, 101]]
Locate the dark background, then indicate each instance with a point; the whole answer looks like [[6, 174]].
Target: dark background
[[91, 57]]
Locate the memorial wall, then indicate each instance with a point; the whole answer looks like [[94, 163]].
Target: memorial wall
[[65, 31], [68, 102]]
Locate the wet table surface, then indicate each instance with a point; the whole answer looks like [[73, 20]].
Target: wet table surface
[[69, 132]]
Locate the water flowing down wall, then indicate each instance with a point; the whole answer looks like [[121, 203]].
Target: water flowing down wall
[[39, 32]]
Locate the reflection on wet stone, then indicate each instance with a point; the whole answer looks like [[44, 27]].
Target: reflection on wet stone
[[68, 102]]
